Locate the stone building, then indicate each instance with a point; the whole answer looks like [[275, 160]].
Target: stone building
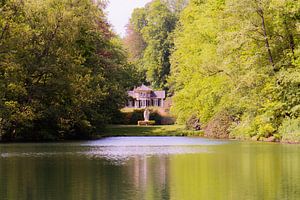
[[145, 96]]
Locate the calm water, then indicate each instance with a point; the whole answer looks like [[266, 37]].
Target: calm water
[[138, 168]]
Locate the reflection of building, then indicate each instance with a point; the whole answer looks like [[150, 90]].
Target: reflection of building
[[144, 96], [150, 176]]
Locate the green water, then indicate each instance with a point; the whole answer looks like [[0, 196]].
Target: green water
[[139, 168]]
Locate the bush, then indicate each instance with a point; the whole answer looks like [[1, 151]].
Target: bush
[[219, 126], [193, 123], [155, 116], [266, 130], [131, 117], [290, 130], [242, 130]]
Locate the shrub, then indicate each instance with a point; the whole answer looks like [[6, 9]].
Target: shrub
[[193, 123], [266, 130], [219, 126], [131, 117], [290, 130], [242, 130]]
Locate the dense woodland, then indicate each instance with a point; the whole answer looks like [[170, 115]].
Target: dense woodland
[[63, 72], [233, 65]]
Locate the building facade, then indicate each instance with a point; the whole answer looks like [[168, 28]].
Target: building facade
[[144, 96]]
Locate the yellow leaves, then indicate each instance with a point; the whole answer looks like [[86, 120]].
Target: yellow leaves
[[18, 112], [12, 105], [16, 89], [26, 113], [266, 130], [201, 95], [230, 42]]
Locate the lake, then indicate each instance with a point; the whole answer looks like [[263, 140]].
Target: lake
[[150, 168]]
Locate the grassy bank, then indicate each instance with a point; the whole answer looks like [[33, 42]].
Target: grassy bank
[[159, 130]]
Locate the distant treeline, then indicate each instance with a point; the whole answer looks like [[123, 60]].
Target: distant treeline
[[63, 73], [234, 65]]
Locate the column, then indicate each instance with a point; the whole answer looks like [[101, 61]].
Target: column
[[135, 103]]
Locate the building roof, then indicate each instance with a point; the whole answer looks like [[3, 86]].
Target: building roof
[[143, 88], [160, 94], [131, 94]]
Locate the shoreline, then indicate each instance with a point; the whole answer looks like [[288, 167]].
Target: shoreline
[[144, 131]]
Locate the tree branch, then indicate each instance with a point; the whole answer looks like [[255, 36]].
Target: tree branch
[[267, 44]]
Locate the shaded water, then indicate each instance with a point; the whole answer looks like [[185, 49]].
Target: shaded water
[[138, 168]]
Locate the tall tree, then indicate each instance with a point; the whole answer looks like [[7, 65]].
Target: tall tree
[[63, 72], [135, 43], [239, 57], [153, 26]]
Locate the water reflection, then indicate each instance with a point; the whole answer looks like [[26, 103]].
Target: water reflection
[[150, 168]]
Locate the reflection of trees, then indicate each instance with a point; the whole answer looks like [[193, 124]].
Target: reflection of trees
[[257, 171], [66, 177], [76, 177], [236, 171]]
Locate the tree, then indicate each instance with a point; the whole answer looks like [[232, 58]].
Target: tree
[[63, 72], [153, 27], [237, 57], [135, 43], [176, 6]]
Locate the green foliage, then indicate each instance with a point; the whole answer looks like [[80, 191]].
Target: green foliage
[[63, 74], [290, 130], [238, 56], [152, 28]]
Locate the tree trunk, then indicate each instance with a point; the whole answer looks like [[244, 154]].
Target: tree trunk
[[290, 38], [267, 44]]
